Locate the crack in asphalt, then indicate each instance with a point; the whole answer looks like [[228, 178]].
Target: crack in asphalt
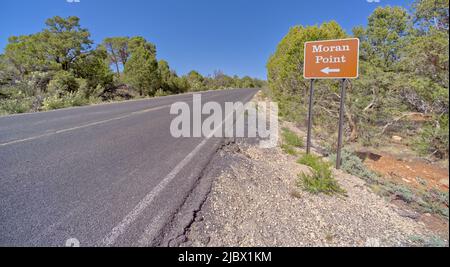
[[187, 214]]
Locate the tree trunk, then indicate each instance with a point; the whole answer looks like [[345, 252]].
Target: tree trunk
[[117, 68], [353, 127]]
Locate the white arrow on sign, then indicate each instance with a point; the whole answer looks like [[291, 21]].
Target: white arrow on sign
[[327, 70]]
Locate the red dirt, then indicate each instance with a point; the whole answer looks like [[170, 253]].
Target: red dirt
[[414, 173]]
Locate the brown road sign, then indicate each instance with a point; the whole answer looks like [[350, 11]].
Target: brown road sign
[[331, 59]]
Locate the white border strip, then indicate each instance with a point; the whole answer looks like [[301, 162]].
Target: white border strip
[[329, 78]]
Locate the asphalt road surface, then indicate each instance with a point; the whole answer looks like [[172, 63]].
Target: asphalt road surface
[[105, 175]]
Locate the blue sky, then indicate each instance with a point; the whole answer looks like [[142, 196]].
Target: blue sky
[[235, 36]]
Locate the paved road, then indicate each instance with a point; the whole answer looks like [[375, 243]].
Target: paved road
[[106, 175]]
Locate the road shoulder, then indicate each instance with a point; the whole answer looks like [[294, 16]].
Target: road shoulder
[[252, 198]]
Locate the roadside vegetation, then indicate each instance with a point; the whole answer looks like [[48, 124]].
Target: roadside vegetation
[[291, 142], [321, 180], [425, 201], [62, 67], [403, 85], [402, 93], [430, 242], [292, 139]]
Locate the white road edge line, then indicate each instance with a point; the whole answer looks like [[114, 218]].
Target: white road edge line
[[117, 231], [151, 231], [82, 126]]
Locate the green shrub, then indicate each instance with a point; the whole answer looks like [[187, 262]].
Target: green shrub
[[435, 242], [354, 166], [77, 100], [430, 201], [15, 106], [437, 202], [317, 164], [430, 242], [403, 193], [63, 82], [292, 139], [67, 100], [289, 150], [434, 138], [54, 102], [161, 92], [289, 107], [322, 180], [290, 142], [316, 184], [440, 196]]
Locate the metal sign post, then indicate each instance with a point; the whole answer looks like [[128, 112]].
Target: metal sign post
[[341, 125], [310, 117], [331, 59]]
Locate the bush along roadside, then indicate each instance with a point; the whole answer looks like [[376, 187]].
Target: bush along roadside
[[400, 91], [321, 180], [424, 201], [45, 77], [291, 142]]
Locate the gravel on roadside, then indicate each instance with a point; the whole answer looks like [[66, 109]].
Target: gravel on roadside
[[255, 202]]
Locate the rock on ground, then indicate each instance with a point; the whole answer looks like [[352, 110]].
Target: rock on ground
[[255, 202]]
